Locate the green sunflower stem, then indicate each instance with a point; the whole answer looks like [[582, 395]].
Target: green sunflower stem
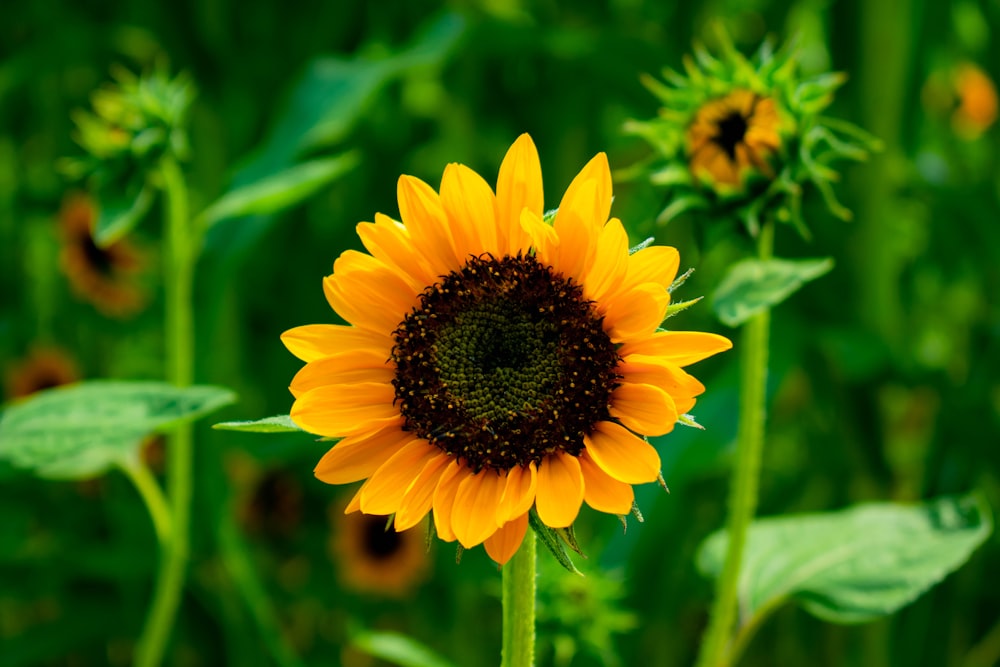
[[716, 647], [519, 606], [179, 333]]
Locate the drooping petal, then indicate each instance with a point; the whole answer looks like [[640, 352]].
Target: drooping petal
[[358, 457], [623, 455], [355, 367], [472, 211], [504, 543], [678, 347], [314, 341], [602, 491], [519, 187], [473, 517], [518, 494], [643, 408], [560, 490], [665, 375], [341, 411], [418, 498], [444, 498], [637, 312], [384, 490]]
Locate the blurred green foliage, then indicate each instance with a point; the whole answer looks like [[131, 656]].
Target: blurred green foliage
[[883, 375]]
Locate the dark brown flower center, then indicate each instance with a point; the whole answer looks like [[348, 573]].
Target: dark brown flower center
[[378, 542], [503, 363], [731, 131]]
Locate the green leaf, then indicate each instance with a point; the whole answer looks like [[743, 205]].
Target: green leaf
[[553, 541], [279, 191], [119, 213], [398, 649], [753, 285], [857, 564], [275, 424], [82, 430]]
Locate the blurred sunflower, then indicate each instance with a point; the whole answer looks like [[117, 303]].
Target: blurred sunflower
[[43, 368], [965, 93], [105, 277], [731, 135], [495, 362], [372, 558]]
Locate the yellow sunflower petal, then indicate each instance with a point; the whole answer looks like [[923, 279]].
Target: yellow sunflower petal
[[623, 455], [504, 543], [390, 242], [355, 504], [518, 494], [358, 457], [315, 341], [587, 200], [603, 492], [678, 347], [373, 300], [610, 262], [444, 498], [472, 210], [643, 408], [577, 235], [519, 187], [636, 313], [352, 368], [424, 215], [384, 490], [653, 264], [419, 497], [340, 411], [560, 490], [664, 374], [473, 517], [541, 236]]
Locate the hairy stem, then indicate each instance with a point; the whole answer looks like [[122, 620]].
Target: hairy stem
[[519, 606]]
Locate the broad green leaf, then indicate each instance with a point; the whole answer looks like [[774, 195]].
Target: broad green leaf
[[81, 430], [398, 649], [857, 564], [276, 424], [119, 212], [279, 191], [753, 285]]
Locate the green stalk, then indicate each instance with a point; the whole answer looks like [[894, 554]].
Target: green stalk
[[519, 606], [180, 256], [152, 496], [745, 479]]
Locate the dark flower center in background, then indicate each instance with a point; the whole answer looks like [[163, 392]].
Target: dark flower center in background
[[380, 543], [503, 363], [732, 130], [99, 259]]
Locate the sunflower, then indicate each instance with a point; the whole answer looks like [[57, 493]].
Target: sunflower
[[733, 135], [494, 363], [977, 101], [372, 558], [103, 276], [43, 368]]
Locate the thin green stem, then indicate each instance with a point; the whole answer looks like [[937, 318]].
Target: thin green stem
[[179, 326], [745, 478], [152, 495], [519, 606]]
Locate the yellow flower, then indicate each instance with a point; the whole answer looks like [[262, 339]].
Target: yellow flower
[[372, 558], [733, 135], [977, 101], [43, 368], [493, 362], [106, 277]]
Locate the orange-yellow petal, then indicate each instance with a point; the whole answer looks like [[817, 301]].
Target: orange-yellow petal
[[341, 411], [587, 200], [373, 300], [424, 215], [610, 262], [353, 367], [560, 490], [602, 491], [623, 455], [444, 498], [504, 543], [636, 312], [419, 497], [578, 232], [678, 347], [519, 187], [518, 494], [390, 242], [384, 490], [315, 341], [541, 236], [355, 504], [473, 517], [643, 408], [658, 371], [358, 457], [653, 264], [472, 210]]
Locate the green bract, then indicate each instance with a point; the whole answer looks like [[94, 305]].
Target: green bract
[[808, 143]]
